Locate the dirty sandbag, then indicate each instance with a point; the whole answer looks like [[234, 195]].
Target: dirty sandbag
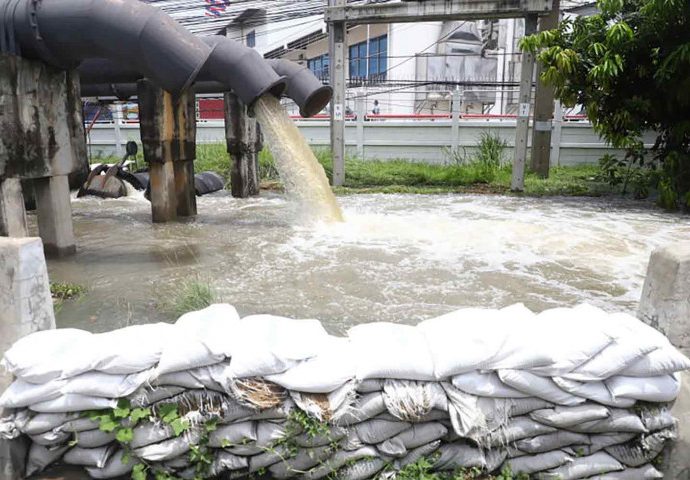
[[657, 418], [642, 449], [56, 347], [617, 356], [50, 438], [89, 457], [496, 412], [268, 458], [563, 417], [494, 458], [22, 394], [522, 406], [416, 436], [466, 416], [115, 467], [361, 470], [305, 459], [337, 460], [416, 454], [583, 467], [516, 429], [43, 422], [224, 461], [530, 464], [456, 455], [552, 441], [189, 379], [595, 391], [365, 407], [619, 421], [267, 345], [485, 384], [40, 457], [279, 412], [376, 431], [146, 396], [268, 433], [323, 406], [663, 361], [393, 447], [149, 433], [178, 463], [600, 441], [257, 393], [167, 449], [106, 385], [536, 386], [411, 401], [323, 373], [391, 351], [232, 434], [79, 425], [646, 472], [94, 438], [73, 403], [308, 440], [664, 388], [370, 385]]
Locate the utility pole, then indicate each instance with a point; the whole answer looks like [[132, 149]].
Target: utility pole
[[543, 107], [522, 128], [337, 52]]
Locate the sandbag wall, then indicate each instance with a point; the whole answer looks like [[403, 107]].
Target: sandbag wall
[[568, 393]]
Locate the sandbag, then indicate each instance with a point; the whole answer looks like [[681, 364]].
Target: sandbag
[[88, 457], [485, 385], [304, 460], [600, 441], [376, 431], [365, 407], [114, 468], [411, 401], [44, 422], [657, 418], [40, 457], [455, 456], [337, 460], [530, 464], [266, 459], [323, 406], [416, 436], [309, 440], [517, 429], [144, 396], [22, 394], [77, 425], [618, 421], [663, 361], [595, 391], [403, 355], [617, 356], [361, 470], [148, 433], [94, 438], [552, 441], [415, 455], [236, 433], [98, 384], [641, 450], [73, 403], [564, 417], [51, 438], [224, 461], [584, 467], [646, 472], [370, 385], [663, 388], [522, 406], [536, 386], [168, 449]]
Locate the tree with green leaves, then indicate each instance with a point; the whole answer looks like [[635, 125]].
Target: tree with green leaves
[[629, 66]]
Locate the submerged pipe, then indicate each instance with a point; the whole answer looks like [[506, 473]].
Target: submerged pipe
[[101, 77], [63, 33]]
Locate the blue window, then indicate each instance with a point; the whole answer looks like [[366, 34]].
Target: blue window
[[371, 62], [251, 39], [319, 66]]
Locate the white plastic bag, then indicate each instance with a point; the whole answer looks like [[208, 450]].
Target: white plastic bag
[[663, 388]]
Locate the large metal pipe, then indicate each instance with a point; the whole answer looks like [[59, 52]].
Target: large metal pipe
[[129, 32], [303, 87]]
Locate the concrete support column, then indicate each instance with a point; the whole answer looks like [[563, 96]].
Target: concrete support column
[[665, 305], [455, 120], [168, 136], [12, 212], [337, 51], [360, 109], [243, 141], [55, 215]]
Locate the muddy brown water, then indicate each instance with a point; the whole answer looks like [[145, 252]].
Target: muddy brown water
[[398, 258]]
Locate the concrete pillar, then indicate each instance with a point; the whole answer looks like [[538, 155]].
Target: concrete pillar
[[168, 136], [243, 141], [337, 52], [55, 215], [12, 212], [456, 102], [665, 305], [360, 109]]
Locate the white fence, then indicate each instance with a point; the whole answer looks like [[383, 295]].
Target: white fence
[[573, 143]]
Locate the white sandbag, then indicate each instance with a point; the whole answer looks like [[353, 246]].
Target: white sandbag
[[361, 470], [148, 433], [467, 416], [309, 440], [540, 387], [415, 455], [600, 441], [522, 406], [55, 346], [40, 457], [114, 468], [552, 441], [646, 472], [485, 384], [617, 356], [22, 394], [323, 406], [564, 417], [94, 438], [390, 351], [595, 391], [376, 431], [77, 425], [663, 361], [641, 450], [146, 396], [365, 407], [168, 449], [51, 438], [530, 464], [266, 459], [73, 403], [584, 467], [619, 421], [233, 434], [99, 384], [304, 460], [88, 457], [370, 385], [323, 373], [178, 463], [411, 401], [337, 460], [517, 429], [663, 388], [44, 422], [455, 456], [201, 338], [266, 344], [198, 378], [268, 433], [224, 461], [421, 434]]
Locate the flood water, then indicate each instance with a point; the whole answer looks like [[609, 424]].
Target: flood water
[[399, 258]]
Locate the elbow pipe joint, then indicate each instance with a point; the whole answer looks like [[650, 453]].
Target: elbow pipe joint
[[303, 87]]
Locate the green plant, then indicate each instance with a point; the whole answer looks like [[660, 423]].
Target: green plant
[[188, 296]]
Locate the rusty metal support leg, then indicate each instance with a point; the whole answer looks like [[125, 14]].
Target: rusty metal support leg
[[243, 141]]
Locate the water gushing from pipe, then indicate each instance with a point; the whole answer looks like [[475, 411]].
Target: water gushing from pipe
[[304, 178]]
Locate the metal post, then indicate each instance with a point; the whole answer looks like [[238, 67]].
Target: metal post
[[455, 120], [522, 127], [337, 51], [543, 107], [361, 111]]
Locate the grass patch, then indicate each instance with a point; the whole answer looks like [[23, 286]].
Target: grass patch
[[63, 291], [188, 296]]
